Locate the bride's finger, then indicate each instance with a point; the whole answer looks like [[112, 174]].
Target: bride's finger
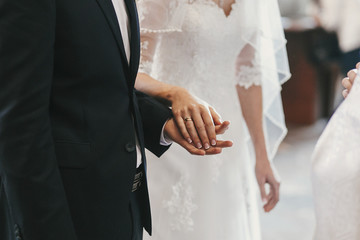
[[269, 205], [191, 148], [263, 194], [200, 128], [209, 125], [345, 93], [190, 126], [181, 125], [215, 116], [273, 195]]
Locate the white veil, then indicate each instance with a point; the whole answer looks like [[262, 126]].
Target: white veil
[[264, 32]]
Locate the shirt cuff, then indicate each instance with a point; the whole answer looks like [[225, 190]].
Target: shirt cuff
[[164, 140]]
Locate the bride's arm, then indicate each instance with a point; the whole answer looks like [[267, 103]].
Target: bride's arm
[[250, 95]]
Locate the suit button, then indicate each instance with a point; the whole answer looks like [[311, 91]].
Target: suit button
[[129, 147]]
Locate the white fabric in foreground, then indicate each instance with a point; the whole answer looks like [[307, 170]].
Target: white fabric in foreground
[[336, 173]]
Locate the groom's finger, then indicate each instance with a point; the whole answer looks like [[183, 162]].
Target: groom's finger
[[224, 144], [191, 148], [218, 148], [213, 151], [221, 129]]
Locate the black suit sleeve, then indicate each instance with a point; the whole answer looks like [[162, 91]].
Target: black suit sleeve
[[154, 115], [28, 168]]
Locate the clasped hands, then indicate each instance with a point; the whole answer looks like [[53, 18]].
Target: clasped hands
[[195, 125]]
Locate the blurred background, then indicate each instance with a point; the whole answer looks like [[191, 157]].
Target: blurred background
[[323, 44]]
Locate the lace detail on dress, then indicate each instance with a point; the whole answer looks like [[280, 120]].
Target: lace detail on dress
[[248, 76], [216, 165], [145, 66], [181, 206], [169, 30]]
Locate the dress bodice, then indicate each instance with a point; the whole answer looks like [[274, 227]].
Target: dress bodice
[[203, 54]]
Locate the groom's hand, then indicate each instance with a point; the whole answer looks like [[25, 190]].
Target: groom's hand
[[172, 132]]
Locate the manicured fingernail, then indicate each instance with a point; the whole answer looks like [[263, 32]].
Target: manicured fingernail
[[198, 145], [213, 142], [189, 140], [207, 146], [264, 200]]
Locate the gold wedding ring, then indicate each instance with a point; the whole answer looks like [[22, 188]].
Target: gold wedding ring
[[187, 119]]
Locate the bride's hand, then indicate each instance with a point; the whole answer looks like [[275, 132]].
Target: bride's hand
[[198, 122], [265, 175]]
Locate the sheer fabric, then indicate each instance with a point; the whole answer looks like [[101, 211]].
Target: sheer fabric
[[192, 43], [336, 173]]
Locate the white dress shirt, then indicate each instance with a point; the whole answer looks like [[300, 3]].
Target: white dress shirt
[[123, 19]]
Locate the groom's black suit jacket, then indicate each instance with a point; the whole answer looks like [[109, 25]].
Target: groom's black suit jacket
[[68, 115]]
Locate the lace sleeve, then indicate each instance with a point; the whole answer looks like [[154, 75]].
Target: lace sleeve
[[148, 46], [157, 17], [248, 72]]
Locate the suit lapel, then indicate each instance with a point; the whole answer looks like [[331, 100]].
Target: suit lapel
[[110, 14], [135, 37]]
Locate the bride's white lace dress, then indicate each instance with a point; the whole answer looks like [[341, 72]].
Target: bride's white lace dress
[[336, 173], [192, 43]]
